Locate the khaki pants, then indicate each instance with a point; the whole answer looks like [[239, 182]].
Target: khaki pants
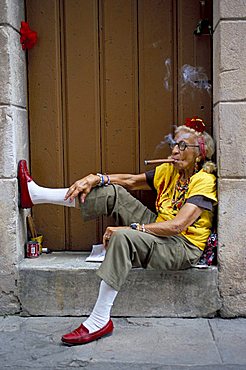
[[131, 248]]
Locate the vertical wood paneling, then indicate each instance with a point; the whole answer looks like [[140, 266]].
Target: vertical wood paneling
[[119, 83], [104, 90], [119, 88], [194, 51], [155, 67], [46, 140], [81, 108]]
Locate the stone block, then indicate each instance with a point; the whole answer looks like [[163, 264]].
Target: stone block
[[232, 246], [13, 139], [9, 303], [12, 12], [229, 62], [229, 130], [64, 284], [8, 218], [216, 13], [12, 68], [7, 144], [20, 121], [228, 9]]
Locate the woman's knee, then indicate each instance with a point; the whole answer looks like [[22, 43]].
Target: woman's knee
[[121, 242], [123, 235], [118, 239]]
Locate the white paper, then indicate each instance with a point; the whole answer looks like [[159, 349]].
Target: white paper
[[97, 253], [200, 266]]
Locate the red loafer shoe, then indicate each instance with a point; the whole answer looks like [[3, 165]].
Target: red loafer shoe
[[81, 335], [23, 178]]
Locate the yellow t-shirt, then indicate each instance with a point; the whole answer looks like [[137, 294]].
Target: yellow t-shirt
[[201, 183]]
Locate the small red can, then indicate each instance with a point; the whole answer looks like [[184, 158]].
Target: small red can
[[32, 249]]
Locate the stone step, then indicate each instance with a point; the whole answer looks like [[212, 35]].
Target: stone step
[[63, 284]]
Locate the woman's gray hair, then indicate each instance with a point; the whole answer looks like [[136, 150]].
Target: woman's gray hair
[[208, 165]]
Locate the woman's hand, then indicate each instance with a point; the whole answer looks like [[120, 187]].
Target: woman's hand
[[109, 232], [82, 187]]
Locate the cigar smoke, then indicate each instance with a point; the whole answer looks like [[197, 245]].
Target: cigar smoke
[[168, 139], [195, 77]]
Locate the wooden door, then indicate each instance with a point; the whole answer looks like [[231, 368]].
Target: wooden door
[[105, 86]]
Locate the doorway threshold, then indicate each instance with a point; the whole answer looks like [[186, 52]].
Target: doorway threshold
[[60, 260], [64, 284]]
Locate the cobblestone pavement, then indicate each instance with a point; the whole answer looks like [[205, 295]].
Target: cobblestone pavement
[[137, 343]]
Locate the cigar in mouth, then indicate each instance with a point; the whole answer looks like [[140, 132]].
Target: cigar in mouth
[[158, 161]]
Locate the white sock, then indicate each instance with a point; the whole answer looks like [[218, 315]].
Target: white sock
[[40, 195], [101, 311]]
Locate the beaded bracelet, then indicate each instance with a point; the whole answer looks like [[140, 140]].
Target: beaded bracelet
[[102, 181], [108, 183]]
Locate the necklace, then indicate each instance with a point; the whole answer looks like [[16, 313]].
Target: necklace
[[180, 190]]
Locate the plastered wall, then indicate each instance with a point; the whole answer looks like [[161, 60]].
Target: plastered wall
[[229, 69], [13, 146]]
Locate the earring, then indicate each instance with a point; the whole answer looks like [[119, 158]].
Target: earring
[[197, 164]]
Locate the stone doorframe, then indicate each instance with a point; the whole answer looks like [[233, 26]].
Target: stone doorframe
[[229, 102]]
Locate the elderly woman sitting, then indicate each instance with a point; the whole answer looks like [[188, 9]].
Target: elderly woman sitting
[[173, 238]]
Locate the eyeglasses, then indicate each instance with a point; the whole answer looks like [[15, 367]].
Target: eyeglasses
[[182, 145]]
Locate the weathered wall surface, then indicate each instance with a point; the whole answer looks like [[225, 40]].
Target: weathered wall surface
[[230, 130], [13, 146]]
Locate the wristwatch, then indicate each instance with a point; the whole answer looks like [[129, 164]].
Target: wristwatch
[[135, 226], [138, 227]]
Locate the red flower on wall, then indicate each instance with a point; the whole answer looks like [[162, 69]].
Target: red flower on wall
[[28, 37]]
